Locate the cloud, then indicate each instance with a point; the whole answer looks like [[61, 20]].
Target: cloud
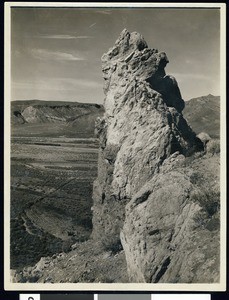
[[44, 54], [188, 61], [64, 36], [92, 25], [104, 12], [37, 84], [83, 83], [60, 89], [56, 84], [34, 85]]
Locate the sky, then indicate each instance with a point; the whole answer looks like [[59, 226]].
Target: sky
[[56, 52]]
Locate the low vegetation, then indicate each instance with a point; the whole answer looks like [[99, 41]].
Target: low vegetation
[[112, 244], [51, 196], [213, 147]]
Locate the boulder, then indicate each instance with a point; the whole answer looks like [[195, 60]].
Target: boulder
[[167, 230], [204, 137]]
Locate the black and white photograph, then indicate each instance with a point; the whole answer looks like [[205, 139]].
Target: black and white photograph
[[115, 145]]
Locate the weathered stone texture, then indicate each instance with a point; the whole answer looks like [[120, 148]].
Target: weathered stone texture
[[142, 189]]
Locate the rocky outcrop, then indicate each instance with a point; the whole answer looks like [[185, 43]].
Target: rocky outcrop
[[142, 190], [168, 227], [138, 131]]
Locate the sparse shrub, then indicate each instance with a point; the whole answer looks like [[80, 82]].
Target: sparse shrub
[[213, 147], [190, 159], [112, 244], [213, 224], [105, 279], [209, 200], [195, 178], [66, 245], [209, 216], [33, 279], [200, 219]]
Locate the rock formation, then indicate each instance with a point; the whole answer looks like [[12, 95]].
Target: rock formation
[[144, 194], [168, 235]]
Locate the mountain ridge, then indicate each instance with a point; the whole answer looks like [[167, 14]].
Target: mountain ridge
[[203, 114], [54, 118]]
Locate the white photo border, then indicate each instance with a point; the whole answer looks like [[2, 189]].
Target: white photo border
[[147, 287]]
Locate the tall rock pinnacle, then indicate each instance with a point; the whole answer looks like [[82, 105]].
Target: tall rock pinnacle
[[131, 59], [141, 129]]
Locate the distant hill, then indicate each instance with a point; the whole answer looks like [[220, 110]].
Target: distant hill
[[54, 118], [203, 114]]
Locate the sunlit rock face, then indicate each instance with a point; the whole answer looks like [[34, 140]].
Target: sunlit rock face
[[141, 185]]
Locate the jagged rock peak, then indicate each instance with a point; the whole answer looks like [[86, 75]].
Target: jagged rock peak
[[142, 126], [130, 59], [125, 44]]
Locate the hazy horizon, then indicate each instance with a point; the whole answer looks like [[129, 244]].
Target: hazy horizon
[[53, 100], [56, 52]]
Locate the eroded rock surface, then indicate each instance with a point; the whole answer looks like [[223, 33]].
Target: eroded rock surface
[[143, 189], [138, 131], [168, 234]]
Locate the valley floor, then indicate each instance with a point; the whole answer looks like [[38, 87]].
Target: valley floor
[[51, 195]]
